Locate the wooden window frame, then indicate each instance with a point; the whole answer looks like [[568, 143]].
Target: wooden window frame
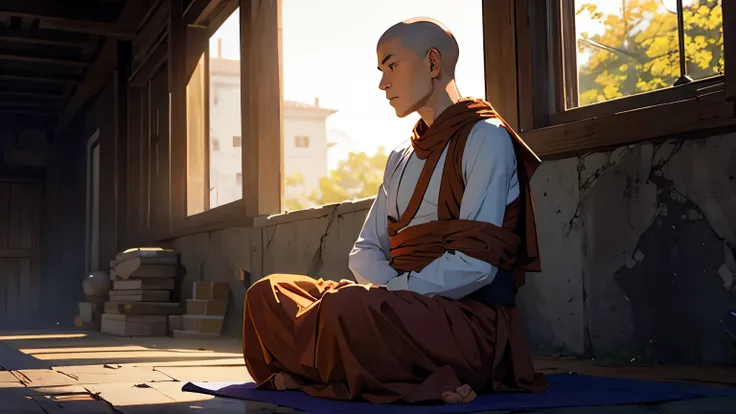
[[261, 123], [534, 103]]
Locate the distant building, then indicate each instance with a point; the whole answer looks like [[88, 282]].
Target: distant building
[[305, 137]]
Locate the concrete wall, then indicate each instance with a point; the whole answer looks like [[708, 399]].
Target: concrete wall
[[637, 250]]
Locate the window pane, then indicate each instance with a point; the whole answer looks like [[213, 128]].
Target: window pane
[[338, 126], [224, 112], [703, 37], [625, 47]]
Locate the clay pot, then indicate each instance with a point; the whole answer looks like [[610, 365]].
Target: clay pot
[[96, 284]]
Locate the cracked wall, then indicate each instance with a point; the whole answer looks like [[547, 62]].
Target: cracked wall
[[637, 253], [651, 227]]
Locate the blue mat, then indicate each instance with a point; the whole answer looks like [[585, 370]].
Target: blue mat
[[566, 390]]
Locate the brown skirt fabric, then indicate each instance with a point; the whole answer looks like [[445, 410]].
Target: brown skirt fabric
[[347, 341]]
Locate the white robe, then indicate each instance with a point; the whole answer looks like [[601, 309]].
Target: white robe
[[491, 183]]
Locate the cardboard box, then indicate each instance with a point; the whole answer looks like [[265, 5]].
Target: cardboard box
[[140, 295], [203, 324], [134, 325], [206, 307], [145, 284], [211, 290]]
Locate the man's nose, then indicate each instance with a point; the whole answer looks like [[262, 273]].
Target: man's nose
[[383, 84]]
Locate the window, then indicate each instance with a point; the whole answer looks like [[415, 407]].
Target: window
[[301, 141], [239, 179], [624, 48], [350, 128], [237, 141], [215, 81], [586, 68]]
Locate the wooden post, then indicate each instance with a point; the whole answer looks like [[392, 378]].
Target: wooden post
[[262, 105], [499, 45], [177, 117]]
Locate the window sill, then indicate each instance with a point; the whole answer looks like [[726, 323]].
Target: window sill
[[314, 213], [219, 218], [706, 113]]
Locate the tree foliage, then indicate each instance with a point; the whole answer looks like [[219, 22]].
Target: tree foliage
[[638, 49], [359, 176]]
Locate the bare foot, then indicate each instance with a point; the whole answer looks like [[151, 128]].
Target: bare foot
[[284, 381], [463, 394]]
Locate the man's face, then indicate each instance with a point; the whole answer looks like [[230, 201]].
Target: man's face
[[406, 78]]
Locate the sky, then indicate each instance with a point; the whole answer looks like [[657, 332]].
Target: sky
[[329, 52]]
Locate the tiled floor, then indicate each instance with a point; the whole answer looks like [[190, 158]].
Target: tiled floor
[[87, 372]]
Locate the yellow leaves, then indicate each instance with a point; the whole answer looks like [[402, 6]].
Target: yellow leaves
[[640, 48]]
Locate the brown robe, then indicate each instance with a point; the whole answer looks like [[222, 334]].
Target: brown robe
[[348, 341]]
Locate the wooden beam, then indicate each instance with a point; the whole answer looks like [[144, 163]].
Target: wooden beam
[[729, 44], [27, 112], [44, 37], [43, 60], [75, 11], [101, 71], [39, 79], [177, 47], [32, 94], [261, 95], [199, 12], [499, 45]]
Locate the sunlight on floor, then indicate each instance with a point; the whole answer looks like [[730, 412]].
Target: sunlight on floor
[[42, 336], [117, 355]]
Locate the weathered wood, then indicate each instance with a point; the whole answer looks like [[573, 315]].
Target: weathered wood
[[689, 116], [45, 37], [60, 10], [499, 45], [43, 60], [526, 65], [19, 77], [262, 105], [199, 12], [729, 44], [177, 43]]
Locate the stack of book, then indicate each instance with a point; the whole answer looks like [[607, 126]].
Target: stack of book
[[140, 299]]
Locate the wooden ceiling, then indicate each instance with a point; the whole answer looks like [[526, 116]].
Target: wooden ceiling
[[51, 49]]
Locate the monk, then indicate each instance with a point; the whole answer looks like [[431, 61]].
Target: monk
[[438, 261]]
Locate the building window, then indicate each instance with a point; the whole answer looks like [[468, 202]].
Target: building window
[[239, 179], [301, 141], [237, 141], [347, 155], [215, 80]]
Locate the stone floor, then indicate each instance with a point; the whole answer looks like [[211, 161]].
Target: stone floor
[[88, 372]]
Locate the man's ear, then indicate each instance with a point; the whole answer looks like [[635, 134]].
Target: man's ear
[[435, 62]]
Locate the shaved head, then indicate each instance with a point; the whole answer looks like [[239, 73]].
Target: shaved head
[[421, 34], [418, 58]]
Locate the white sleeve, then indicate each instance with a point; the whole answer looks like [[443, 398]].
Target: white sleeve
[[489, 168], [368, 260]]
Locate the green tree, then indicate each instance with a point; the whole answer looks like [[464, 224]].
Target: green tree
[[638, 49], [358, 176]]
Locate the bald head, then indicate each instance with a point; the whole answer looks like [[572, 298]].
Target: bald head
[[417, 60], [421, 35]]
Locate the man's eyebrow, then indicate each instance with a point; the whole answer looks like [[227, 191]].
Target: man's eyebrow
[[384, 60]]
